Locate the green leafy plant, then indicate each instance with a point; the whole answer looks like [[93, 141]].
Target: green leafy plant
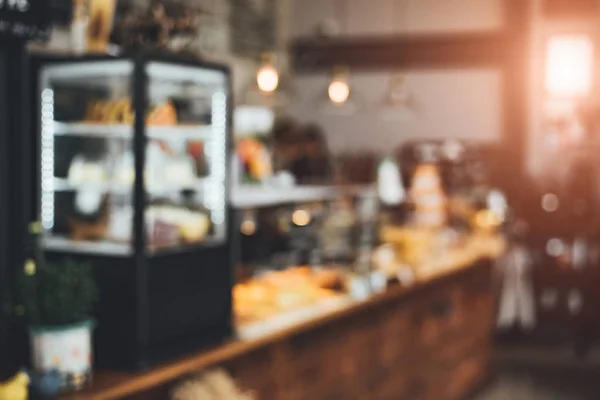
[[55, 294]]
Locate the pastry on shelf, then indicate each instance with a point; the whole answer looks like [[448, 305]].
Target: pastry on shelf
[[174, 224], [125, 169], [384, 259], [255, 158], [428, 197], [327, 278], [162, 115], [83, 171], [285, 279], [118, 111], [179, 171], [156, 159], [121, 112], [94, 111], [195, 149], [120, 225], [303, 276], [91, 230], [162, 230], [88, 199], [161, 169], [166, 225], [195, 228], [278, 292]]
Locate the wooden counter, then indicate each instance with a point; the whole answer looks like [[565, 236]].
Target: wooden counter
[[431, 341]]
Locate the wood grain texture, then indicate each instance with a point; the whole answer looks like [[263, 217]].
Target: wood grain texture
[[432, 51], [389, 347], [435, 346]]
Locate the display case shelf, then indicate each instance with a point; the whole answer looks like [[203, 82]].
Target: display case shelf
[[252, 196], [64, 244], [120, 131], [93, 130], [180, 132], [63, 185], [182, 248]]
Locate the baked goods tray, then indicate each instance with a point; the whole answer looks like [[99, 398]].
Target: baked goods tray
[[285, 320]]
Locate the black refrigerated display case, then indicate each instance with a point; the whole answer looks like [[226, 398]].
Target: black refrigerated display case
[[133, 178]]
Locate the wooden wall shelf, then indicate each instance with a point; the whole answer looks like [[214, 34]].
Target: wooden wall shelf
[[402, 52]]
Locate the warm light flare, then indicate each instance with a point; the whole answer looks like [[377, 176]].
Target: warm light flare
[[301, 217], [248, 227], [339, 91], [267, 78], [569, 66]]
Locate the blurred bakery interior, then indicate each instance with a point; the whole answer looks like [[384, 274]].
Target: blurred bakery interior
[[295, 199]]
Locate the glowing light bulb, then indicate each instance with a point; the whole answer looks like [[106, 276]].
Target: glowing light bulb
[[267, 78], [339, 91], [301, 217], [248, 227], [550, 202], [555, 247]]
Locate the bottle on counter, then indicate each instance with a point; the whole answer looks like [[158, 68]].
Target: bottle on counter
[[79, 27], [389, 182], [337, 236]]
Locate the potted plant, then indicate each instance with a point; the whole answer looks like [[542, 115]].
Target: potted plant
[[55, 299]]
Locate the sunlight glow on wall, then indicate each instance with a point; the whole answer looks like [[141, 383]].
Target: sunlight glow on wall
[[569, 66]]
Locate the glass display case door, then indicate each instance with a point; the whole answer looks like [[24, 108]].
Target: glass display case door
[[185, 161], [86, 157], [103, 121]]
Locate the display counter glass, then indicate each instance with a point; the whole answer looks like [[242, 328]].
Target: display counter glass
[[89, 151]]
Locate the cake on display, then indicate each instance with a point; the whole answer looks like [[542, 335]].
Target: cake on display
[[428, 197]]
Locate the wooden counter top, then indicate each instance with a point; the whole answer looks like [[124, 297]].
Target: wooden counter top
[[117, 384]]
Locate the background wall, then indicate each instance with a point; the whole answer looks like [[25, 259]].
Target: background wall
[[463, 104], [214, 38], [457, 103], [357, 17], [451, 102], [540, 160]]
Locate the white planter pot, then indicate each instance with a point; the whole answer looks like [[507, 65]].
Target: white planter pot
[[66, 349]]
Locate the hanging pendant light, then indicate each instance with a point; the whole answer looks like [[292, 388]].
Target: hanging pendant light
[[271, 87], [249, 223], [267, 76], [339, 88], [339, 98], [398, 103]]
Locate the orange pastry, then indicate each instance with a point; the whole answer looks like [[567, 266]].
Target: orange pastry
[[163, 115]]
